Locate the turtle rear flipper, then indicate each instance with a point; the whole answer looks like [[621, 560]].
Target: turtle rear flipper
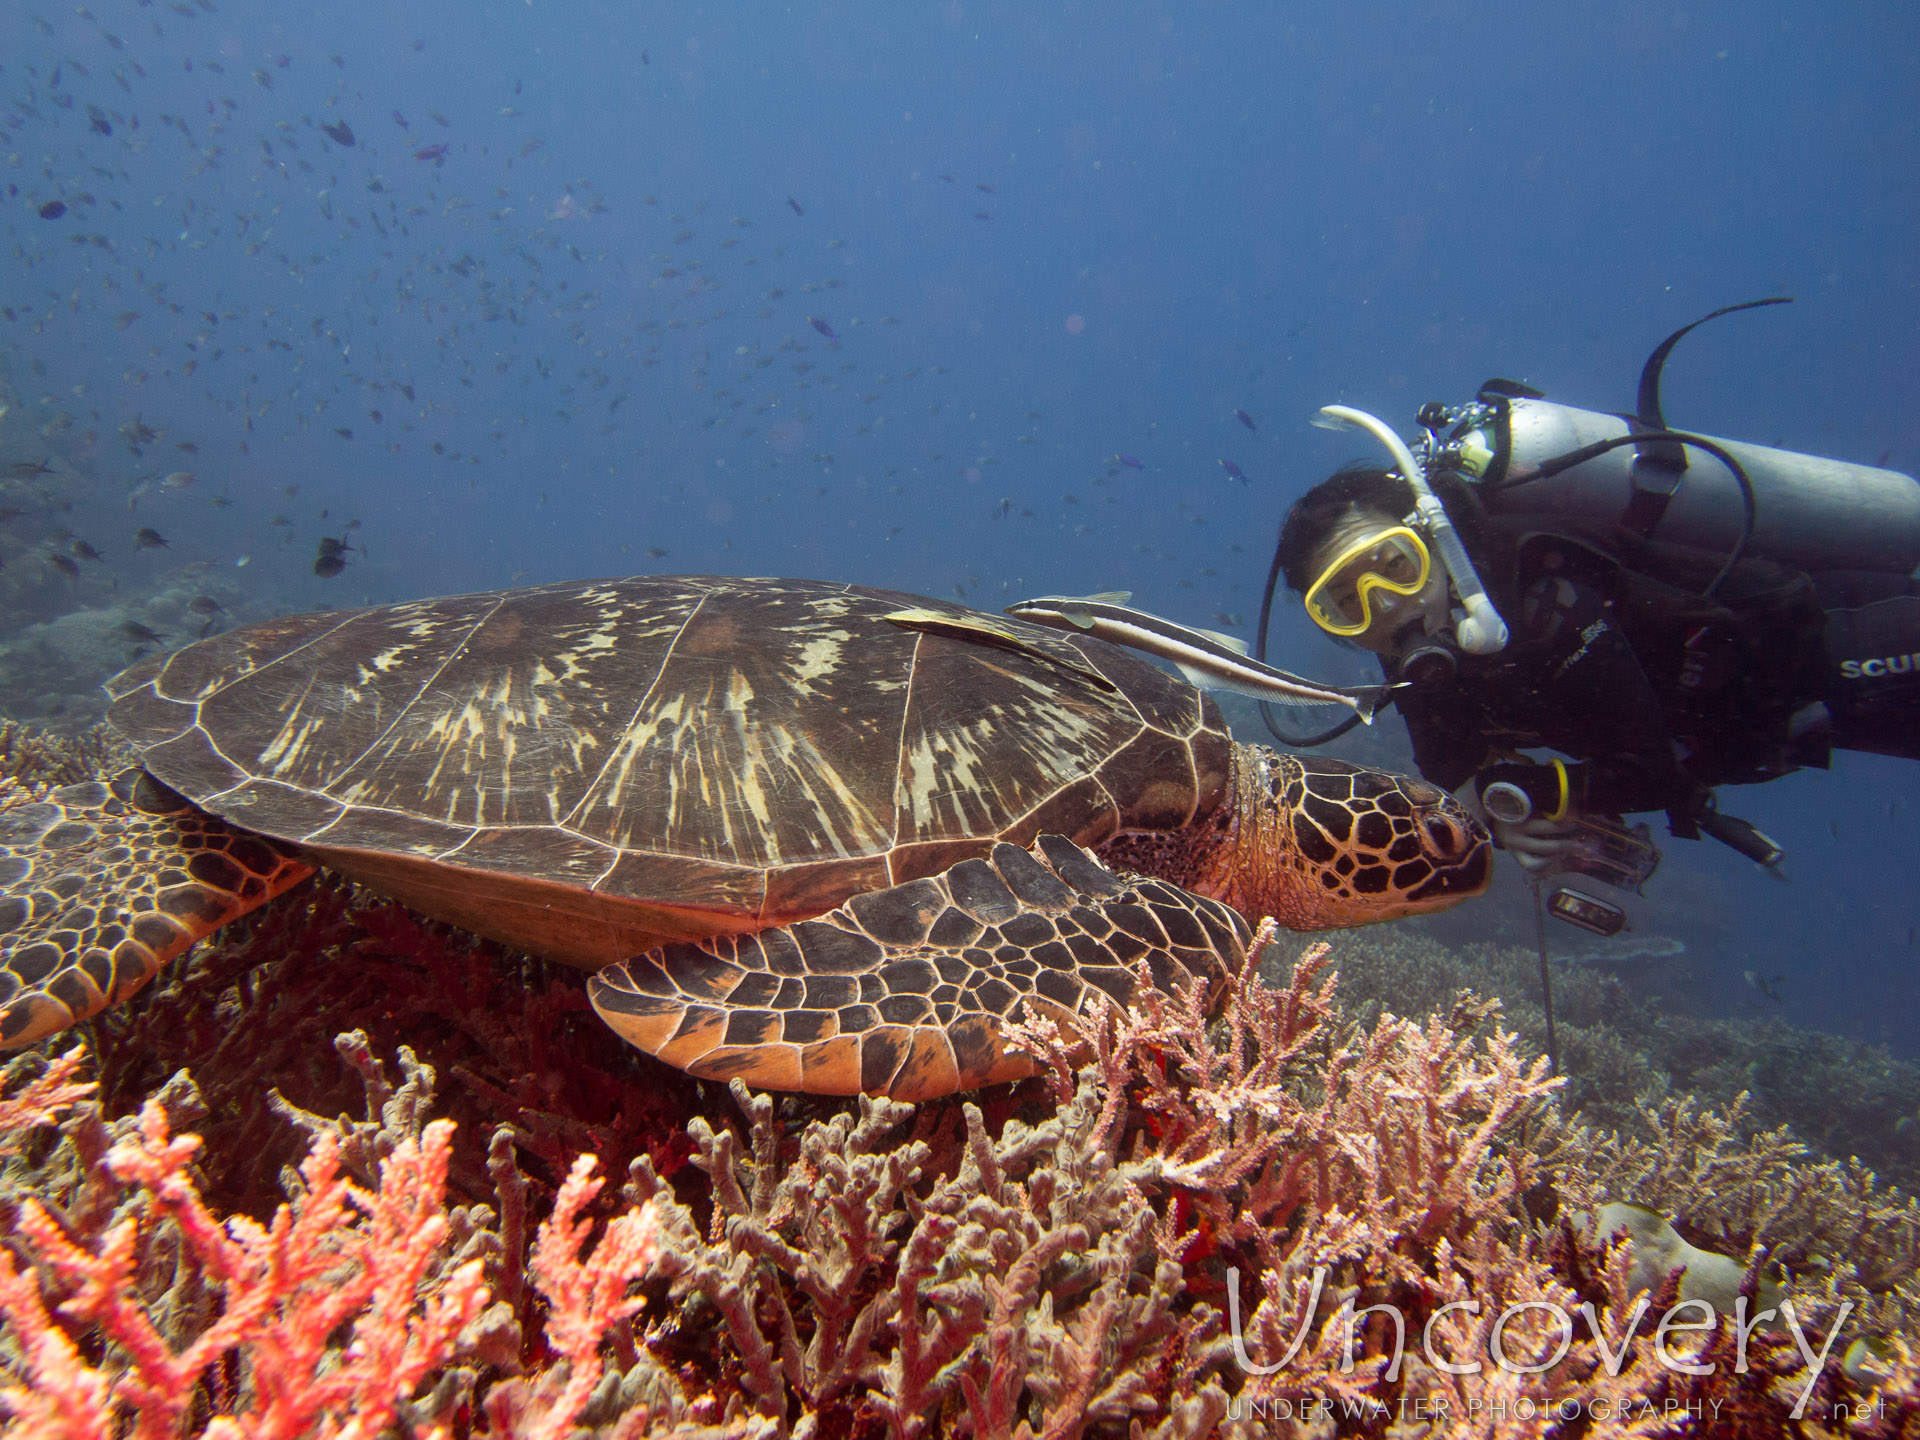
[[902, 992], [102, 884]]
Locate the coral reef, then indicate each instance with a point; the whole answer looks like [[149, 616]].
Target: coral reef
[[1624, 1047], [1166, 1236], [35, 760]]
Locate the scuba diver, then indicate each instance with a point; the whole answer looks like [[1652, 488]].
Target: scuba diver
[[1672, 612]]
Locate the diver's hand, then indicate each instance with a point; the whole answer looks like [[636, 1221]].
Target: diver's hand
[[1515, 800], [1539, 844]]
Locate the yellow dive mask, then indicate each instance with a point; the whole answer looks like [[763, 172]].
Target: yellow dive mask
[[1394, 560]]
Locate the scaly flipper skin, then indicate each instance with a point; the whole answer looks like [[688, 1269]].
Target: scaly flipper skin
[[901, 992], [101, 885]]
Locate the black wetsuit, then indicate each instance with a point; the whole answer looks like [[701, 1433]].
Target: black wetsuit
[[1664, 696]]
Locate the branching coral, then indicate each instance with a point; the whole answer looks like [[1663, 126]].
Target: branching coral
[[130, 1307], [35, 760], [1829, 1225], [1167, 1234], [337, 1256], [1625, 1049], [1069, 1276]]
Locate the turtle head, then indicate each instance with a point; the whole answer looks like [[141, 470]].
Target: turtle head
[[1319, 844]]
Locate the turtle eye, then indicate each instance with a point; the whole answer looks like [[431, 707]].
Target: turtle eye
[[1445, 837]]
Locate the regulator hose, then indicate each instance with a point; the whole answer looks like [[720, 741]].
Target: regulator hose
[[1260, 653]]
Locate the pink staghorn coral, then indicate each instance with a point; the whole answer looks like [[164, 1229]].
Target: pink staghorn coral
[[326, 1321], [48, 1093], [587, 1295], [337, 1256]]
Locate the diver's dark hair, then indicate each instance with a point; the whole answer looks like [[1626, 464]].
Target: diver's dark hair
[[1316, 514], [1319, 512]]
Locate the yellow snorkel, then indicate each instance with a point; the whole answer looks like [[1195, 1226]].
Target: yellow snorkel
[[1482, 632]]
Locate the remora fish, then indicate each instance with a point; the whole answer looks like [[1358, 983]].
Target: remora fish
[[1209, 660]]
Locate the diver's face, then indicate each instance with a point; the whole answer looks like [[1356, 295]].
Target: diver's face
[[1429, 607]]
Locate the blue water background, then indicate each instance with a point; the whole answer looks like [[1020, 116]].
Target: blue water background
[[1193, 208]]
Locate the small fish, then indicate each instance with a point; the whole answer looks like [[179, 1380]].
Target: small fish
[[1244, 418], [986, 188], [178, 480], [796, 205], [654, 552], [339, 132], [1127, 460], [430, 152], [1209, 661], [83, 551], [205, 605], [28, 469], [823, 327], [400, 120], [332, 557], [53, 210], [140, 634], [65, 564], [1767, 985], [1234, 472], [944, 176], [147, 538]]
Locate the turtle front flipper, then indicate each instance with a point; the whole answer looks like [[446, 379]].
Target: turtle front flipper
[[902, 992], [102, 884]]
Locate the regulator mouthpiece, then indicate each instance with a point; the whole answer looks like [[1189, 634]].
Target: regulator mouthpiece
[[1427, 665]]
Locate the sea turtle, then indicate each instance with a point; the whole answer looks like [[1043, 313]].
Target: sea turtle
[[817, 836]]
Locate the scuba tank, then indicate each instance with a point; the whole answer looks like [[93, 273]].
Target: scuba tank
[[1599, 478], [1809, 512]]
